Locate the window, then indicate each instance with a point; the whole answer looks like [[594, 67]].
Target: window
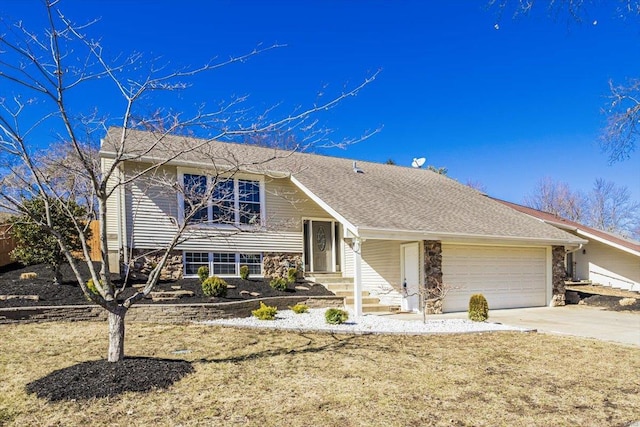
[[249, 201], [234, 201], [193, 261], [224, 263], [223, 202], [195, 187], [253, 261]]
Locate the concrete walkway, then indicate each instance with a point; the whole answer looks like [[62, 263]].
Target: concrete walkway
[[576, 320]]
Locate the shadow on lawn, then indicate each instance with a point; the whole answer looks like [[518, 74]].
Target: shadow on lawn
[[99, 378]]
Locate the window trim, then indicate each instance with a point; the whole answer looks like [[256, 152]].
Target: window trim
[[210, 264], [236, 199]]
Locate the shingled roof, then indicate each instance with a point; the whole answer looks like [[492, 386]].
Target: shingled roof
[[565, 224], [379, 200]]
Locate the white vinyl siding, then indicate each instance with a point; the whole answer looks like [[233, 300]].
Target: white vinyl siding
[[508, 277], [608, 266], [380, 269], [153, 214]]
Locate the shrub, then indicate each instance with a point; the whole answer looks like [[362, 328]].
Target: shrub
[[244, 272], [214, 287], [203, 273], [478, 308], [300, 308], [292, 275], [27, 276], [265, 312], [92, 288], [335, 316], [278, 283]]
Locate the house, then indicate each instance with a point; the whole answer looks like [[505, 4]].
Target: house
[[606, 259], [383, 228]]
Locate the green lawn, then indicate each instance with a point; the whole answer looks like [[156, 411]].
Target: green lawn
[[265, 378]]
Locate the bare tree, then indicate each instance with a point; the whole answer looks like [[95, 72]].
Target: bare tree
[[612, 209], [619, 138], [558, 199], [607, 207], [42, 73]]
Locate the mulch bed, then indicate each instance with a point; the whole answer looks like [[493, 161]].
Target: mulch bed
[[608, 302], [69, 292], [100, 378]]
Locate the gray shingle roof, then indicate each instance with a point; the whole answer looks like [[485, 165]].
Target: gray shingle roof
[[383, 197]]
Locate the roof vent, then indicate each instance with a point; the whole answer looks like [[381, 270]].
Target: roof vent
[[356, 169]]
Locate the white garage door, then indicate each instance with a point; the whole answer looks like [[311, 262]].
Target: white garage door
[[508, 277]]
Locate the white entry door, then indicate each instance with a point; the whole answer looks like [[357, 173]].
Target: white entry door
[[410, 258]]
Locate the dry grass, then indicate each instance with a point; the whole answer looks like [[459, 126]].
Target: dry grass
[[261, 378]]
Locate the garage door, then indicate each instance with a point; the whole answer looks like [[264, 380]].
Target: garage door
[[508, 277]]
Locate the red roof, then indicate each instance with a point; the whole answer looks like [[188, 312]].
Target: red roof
[[572, 225]]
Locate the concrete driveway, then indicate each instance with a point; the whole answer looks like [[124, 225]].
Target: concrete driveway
[[576, 320]]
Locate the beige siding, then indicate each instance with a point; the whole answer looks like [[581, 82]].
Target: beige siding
[[154, 209], [286, 206], [608, 266], [380, 269], [112, 210]]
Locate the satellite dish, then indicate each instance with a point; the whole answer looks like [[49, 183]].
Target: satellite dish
[[417, 163]]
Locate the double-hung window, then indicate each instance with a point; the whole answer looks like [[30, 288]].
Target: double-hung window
[[195, 201], [248, 202], [232, 201]]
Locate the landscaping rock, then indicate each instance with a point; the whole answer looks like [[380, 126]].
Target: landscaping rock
[[301, 288], [625, 302]]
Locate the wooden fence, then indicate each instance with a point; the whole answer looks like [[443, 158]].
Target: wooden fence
[[8, 243]]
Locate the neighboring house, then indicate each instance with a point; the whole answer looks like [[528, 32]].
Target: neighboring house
[[606, 259], [382, 226]]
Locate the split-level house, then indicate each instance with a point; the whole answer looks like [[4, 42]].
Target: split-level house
[[384, 229]]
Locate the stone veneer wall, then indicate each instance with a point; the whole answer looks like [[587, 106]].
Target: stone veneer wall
[[144, 261], [558, 276], [278, 264], [433, 271], [161, 313]]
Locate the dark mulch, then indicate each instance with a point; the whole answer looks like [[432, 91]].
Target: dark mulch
[[609, 302], [100, 378], [69, 292]]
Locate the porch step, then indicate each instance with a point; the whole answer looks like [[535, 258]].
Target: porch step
[[330, 278], [366, 300], [348, 293], [378, 308]]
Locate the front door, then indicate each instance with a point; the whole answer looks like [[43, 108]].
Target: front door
[[322, 245], [410, 257]]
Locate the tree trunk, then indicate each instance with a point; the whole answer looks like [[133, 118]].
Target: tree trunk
[[116, 334], [57, 275]]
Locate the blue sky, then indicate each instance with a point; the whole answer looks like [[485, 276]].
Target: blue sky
[[504, 107]]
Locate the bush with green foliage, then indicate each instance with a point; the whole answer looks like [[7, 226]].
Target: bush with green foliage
[[244, 272], [265, 312], [300, 308], [36, 243], [335, 316], [214, 287], [92, 288], [478, 308], [278, 283], [203, 273], [292, 275]]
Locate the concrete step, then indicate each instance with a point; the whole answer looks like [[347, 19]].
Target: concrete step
[[330, 280], [349, 293], [377, 308], [365, 300]]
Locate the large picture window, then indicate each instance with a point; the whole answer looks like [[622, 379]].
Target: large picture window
[[233, 201]]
